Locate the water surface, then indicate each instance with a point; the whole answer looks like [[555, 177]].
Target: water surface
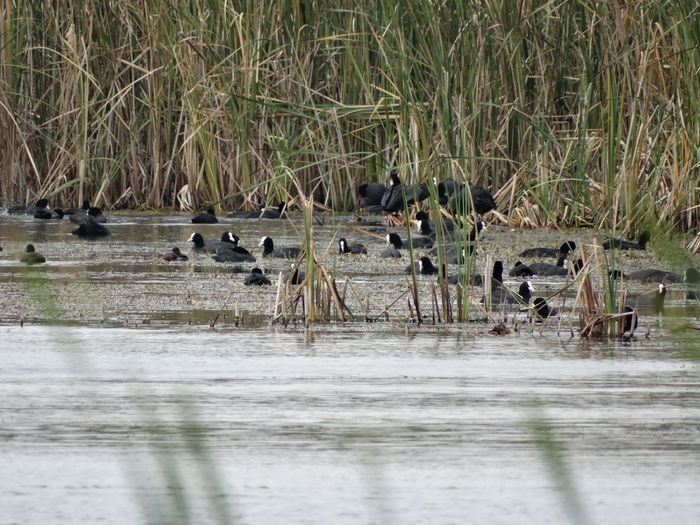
[[134, 410], [341, 427]]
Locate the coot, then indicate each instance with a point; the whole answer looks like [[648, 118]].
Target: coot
[[269, 250], [46, 213], [542, 309], [394, 244], [41, 204], [229, 251], [90, 228], [230, 255], [564, 249], [200, 245], [423, 266], [630, 321], [416, 241], [294, 276], [350, 248], [83, 209], [208, 217], [520, 270], [501, 294], [92, 211], [621, 244], [541, 268], [256, 278]]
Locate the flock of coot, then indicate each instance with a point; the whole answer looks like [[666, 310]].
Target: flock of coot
[[460, 203]]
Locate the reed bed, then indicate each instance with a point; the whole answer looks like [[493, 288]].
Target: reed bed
[[573, 113]]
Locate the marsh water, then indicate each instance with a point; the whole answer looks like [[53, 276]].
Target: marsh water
[[134, 410]]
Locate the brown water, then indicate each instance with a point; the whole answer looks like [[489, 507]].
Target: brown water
[[384, 423]]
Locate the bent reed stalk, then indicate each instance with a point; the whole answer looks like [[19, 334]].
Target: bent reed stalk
[[582, 114]]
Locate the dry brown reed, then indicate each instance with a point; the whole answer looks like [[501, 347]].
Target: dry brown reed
[[574, 113]]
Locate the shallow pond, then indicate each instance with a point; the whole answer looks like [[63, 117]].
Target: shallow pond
[[342, 428], [137, 411]]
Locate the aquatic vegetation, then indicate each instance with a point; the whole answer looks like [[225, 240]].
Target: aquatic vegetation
[[185, 105]]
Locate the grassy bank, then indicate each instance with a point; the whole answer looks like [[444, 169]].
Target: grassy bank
[[574, 113]]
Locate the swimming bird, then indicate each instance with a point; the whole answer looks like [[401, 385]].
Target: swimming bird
[[416, 241], [229, 255], [90, 228], [283, 253], [81, 210], [229, 251], [423, 266], [501, 294], [447, 223], [426, 228], [344, 247], [630, 321], [200, 245], [446, 189], [256, 277], [274, 213], [31, 256], [520, 270], [542, 309], [541, 268], [46, 213], [175, 255], [477, 279], [208, 217], [496, 274], [92, 211], [577, 266], [97, 214], [394, 245], [41, 204], [564, 249], [621, 244], [294, 276]]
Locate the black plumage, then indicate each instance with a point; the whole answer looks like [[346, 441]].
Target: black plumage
[[256, 278], [621, 244], [564, 249], [90, 228], [208, 217], [269, 250]]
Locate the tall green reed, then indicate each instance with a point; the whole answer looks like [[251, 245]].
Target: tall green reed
[[589, 111]]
